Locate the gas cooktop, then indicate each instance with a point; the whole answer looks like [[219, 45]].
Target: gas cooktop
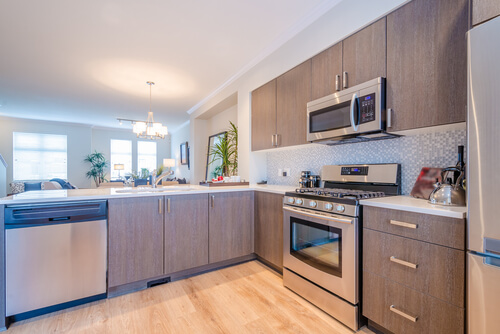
[[340, 193]]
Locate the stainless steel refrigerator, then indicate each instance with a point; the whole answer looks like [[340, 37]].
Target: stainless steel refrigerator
[[483, 179]]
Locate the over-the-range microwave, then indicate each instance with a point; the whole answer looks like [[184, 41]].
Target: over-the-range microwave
[[354, 114]]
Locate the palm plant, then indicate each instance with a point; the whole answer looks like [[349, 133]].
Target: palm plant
[[225, 151], [98, 165]]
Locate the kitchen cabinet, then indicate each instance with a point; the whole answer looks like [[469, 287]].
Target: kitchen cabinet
[[230, 224], [186, 232], [269, 228], [326, 72], [279, 109], [293, 91], [427, 63], [413, 271], [264, 116], [135, 239], [364, 54], [484, 10]]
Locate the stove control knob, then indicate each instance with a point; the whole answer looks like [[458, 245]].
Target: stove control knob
[[299, 201], [313, 204], [340, 208], [329, 206], [291, 200]]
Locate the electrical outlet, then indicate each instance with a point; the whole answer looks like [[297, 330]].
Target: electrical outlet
[[286, 171], [280, 172]]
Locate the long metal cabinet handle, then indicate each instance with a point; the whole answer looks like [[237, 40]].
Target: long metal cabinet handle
[[403, 224], [159, 205], [337, 82], [168, 205], [277, 140], [404, 263], [389, 117], [344, 79], [401, 313], [212, 200], [272, 140]]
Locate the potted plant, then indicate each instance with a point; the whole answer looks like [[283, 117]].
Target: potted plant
[[98, 165], [225, 152]]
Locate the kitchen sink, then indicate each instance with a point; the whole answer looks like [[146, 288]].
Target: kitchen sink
[[151, 190]]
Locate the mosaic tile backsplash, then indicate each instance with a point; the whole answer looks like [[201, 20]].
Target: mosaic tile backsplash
[[412, 152]]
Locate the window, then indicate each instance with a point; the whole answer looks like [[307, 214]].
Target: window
[[121, 154], [39, 156], [146, 155]]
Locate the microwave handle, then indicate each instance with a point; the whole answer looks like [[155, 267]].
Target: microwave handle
[[354, 101]]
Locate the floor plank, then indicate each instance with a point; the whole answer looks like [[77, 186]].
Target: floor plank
[[247, 298]]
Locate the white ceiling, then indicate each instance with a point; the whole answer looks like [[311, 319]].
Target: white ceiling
[[88, 61]]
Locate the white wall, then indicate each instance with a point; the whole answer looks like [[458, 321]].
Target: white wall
[[339, 22], [181, 135], [79, 144], [101, 141]]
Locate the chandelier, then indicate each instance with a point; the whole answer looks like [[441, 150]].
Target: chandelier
[[148, 129]]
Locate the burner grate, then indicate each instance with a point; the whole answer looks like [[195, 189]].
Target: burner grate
[[340, 193]]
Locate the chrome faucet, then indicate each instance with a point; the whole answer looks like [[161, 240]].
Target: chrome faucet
[[156, 179]]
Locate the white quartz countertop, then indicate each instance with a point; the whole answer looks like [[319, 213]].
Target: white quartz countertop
[[408, 203], [41, 196]]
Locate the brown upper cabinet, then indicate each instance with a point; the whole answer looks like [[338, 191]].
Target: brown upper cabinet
[[264, 116], [327, 72], [484, 10], [364, 55], [359, 58], [279, 109], [427, 63], [293, 91]]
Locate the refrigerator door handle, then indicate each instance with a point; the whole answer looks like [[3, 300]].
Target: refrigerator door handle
[[492, 246], [491, 261]]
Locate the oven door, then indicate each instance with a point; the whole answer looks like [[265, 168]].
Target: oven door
[[322, 248]]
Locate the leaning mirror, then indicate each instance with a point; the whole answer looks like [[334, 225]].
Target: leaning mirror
[[213, 169]]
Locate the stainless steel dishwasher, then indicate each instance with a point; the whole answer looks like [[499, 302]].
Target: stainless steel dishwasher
[[56, 256]]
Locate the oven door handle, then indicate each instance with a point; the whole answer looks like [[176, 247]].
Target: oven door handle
[[354, 102], [313, 215]]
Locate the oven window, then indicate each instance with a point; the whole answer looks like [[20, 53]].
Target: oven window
[[320, 246], [330, 118]]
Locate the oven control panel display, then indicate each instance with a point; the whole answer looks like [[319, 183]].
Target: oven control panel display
[[367, 104], [356, 170]]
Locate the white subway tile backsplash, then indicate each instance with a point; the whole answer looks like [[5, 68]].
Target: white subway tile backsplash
[[412, 152]]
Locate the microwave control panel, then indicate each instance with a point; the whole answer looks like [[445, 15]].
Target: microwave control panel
[[367, 104]]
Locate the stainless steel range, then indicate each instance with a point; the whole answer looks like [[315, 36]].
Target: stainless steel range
[[322, 228]]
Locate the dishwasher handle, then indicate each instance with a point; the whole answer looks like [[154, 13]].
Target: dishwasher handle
[[17, 216]]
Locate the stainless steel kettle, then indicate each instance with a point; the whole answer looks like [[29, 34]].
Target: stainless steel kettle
[[446, 193]]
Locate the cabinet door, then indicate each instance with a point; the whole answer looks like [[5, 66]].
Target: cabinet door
[[186, 232], [230, 225], [483, 10], [264, 116], [325, 67], [427, 63], [365, 54], [293, 93], [269, 227], [135, 244]]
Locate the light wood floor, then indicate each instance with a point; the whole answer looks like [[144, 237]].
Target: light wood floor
[[247, 298]]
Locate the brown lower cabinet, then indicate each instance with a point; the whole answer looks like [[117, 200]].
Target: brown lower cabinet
[[400, 309], [230, 225], [269, 227], [413, 271], [135, 239], [186, 232]]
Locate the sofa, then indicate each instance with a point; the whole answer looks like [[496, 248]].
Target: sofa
[[17, 187]]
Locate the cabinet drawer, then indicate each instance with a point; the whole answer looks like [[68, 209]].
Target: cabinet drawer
[[393, 306], [439, 230], [435, 270]]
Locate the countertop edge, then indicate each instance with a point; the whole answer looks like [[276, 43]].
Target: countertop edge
[[410, 204]]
